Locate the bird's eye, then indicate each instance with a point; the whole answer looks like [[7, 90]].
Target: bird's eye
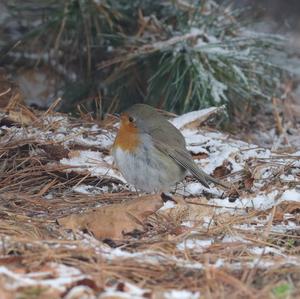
[[131, 119]]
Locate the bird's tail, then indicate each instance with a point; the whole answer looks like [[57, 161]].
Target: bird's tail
[[216, 181]]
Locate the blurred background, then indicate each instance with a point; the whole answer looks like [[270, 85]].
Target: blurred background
[[101, 56]]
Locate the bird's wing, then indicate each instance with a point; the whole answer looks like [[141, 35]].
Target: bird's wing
[[183, 157], [165, 133]]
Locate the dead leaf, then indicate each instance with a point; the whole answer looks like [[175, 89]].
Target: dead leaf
[[223, 170], [22, 116], [190, 209], [55, 151], [10, 260], [115, 220], [4, 293], [248, 182], [74, 154], [286, 207], [8, 90], [200, 156], [90, 283]]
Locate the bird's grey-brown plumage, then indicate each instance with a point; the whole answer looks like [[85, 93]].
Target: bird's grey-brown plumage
[[169, 140]]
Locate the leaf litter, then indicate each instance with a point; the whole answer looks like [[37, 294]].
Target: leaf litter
[[72, 228]]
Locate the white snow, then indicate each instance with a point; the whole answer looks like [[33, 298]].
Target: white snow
[[181, 121], [265, 250], [194, 188], [287, 178], [94, 162], [218, 150], [64, 133], [80, 292], [233, 239], [89, 189], [65, 276], [218, 89], [196, 244], [130, 292], [260, 202], [291, 195], [188, 223], [168, 205], [182, 294]]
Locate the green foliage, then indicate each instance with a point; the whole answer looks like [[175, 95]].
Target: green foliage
[[174, 54], [282, 290]]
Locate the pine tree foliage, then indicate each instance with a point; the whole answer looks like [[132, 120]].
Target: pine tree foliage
[[174, 54]]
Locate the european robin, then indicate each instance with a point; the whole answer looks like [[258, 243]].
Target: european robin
[[151, 153]]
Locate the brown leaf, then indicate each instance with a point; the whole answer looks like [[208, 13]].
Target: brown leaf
[[89, 283], [195, 210], [74, 154], [223, 170], [200, 156], [4, 293], [115, 220], [286, 207], [55, 151], [9, 92], [22, 116], [9, 260], [248, 182]]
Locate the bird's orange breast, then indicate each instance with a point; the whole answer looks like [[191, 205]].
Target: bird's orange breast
[[127, 137]]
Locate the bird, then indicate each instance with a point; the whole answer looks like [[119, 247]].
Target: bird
[[151, 152]]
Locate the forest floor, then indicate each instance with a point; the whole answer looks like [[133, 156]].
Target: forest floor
[[71, 227]]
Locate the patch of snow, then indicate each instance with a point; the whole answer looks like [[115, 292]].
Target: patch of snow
[[218, 89], [233, 239], [219, 263], [168, 205], [94, 163], [213, 49], [195, 244], [276, 228], [180, 121], [196, 189], [218, 149], [291, 195], [49, 196], [260, 202], [264, 250], [255, 152], [105, 140], [207, 221], [188, 224], [182, 294], [152, 257], [287, 177], [196, 31], [80, 292], [65, 277], [129, 291], [60, 130], [89, 189]]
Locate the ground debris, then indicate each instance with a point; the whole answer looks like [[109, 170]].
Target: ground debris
[[57, 173], [104, 222]]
